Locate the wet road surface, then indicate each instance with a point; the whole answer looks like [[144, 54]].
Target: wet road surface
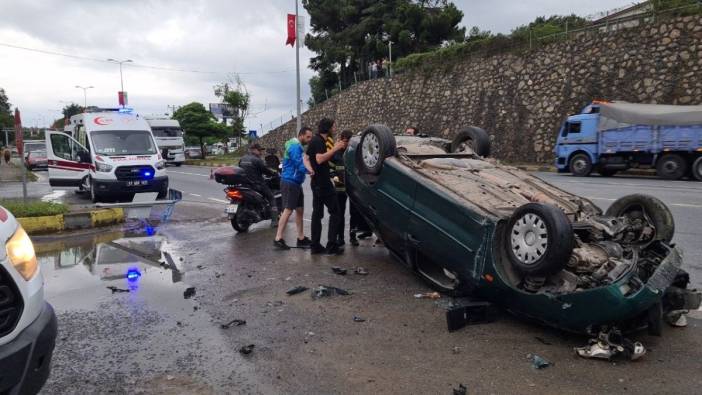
[[152, 340]]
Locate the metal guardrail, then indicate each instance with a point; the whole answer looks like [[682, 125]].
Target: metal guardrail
[[142, 205]]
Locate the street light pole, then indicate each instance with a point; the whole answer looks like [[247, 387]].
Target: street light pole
[[297, 67], [120, 62], [85, 94]]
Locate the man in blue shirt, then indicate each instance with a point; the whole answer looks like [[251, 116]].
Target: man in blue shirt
[[295, 167]]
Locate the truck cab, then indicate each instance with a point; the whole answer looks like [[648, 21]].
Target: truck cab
[[169, 138], [109, 152], [576, 147]]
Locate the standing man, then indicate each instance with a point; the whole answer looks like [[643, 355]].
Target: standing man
[[323, 193], [295, 166], [338, 173], [255, 168]]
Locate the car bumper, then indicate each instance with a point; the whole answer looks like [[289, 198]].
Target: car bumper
[[25, 362], [106, 187]]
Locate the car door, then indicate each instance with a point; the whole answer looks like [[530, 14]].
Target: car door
[[64, 158]]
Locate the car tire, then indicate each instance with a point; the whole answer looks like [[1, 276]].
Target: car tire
[[178, 164], [539, 239], [580, 165], [377, 143], [655, 209], [238, 224], [671, 167], [697, 169], [94, 196], [474, 138]]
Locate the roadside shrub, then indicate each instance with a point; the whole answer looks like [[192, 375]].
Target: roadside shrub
[[33, 208]]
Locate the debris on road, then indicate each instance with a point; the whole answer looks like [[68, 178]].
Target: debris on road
[[538, 362], [361, 271], [189, 293], [325, 290], [246, 350], [358, 319], [428, 295], [456, 350], [296, 290], [461, 390], [234, 322], [338, 270], [469, 313], [611, 344], [543, 341], [116, 290]]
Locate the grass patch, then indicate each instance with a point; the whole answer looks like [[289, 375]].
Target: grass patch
[[33, 208], [217, 160]]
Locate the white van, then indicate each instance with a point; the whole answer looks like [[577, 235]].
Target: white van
[[169, 138], [108, 153]]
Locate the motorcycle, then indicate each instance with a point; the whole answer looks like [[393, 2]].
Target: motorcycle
[[246, 205]]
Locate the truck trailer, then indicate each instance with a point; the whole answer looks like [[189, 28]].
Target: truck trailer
[[608, 137]]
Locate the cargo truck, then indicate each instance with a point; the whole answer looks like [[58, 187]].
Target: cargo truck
[[608, 137]]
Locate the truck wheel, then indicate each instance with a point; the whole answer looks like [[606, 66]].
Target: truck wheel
[[539, 239], [178, 164], [697, 169], [671, 167], [580, 165], [474, 138], [377, 143], [655, 210]]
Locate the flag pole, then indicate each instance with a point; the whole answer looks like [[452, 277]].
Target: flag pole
[[297, 66]]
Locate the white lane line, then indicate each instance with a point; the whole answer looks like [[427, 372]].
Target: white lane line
[[669, 204], [218, 200], [189, 174], [195, 194]]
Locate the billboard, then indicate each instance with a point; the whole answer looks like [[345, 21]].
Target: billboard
[[221, 110]]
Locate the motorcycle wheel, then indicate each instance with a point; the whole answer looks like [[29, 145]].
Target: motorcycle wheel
[[239, 224]]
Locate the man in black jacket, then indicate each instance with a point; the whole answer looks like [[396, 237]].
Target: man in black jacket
[[255, 168]]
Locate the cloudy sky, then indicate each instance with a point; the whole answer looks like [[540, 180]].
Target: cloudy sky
[[212, 39]]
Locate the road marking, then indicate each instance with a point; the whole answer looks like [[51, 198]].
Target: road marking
[[218, 200], [195, 194], [190, 174], [669, 204]]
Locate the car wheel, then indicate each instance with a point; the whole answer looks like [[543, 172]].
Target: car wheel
[[607, 172], [580, 165], [377, 143], [671, 167], [178, 164], [539, 239], [474, 138], [653, 209], [697, 169], [239, 223], [94, 196]]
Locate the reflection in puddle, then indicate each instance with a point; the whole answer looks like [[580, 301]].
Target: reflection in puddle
[[78, 275]]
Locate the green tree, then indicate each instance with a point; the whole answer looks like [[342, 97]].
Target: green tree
[[235, 95], [542, 26], [198, 122], [349, 34], [7, 120], [68, 111]]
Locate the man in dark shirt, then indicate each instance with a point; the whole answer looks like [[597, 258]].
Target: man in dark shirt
[[255, 168], [323, 191]]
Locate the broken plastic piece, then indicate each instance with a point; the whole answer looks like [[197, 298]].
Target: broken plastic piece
[[538, 362], [116, 290], [358, 319], [339, 270], [235, 322], [246, 350], [428, 295], [470, 313], [361, 271], [189, 293], [296, 290], [325, 290], [461, 390], [611, 344]]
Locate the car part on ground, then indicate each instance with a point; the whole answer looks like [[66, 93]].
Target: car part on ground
[[462, 222], [611, 344], [469, 313]]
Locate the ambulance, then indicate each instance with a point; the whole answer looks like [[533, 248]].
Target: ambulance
[[110, 153]]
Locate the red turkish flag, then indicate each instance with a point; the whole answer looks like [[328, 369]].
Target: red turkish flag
[[291, 30]]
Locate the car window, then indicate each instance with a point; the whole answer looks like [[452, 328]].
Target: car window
[[62, 146], [573, 127], [123, 142]]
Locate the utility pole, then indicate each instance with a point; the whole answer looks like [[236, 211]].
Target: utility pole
[[390, 55], [297, 65], [85, 94], [121, 80]]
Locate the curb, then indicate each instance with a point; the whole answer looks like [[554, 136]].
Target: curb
[[207, 164], [72, 221]]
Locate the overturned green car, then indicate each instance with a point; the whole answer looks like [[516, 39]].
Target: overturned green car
[[469, 225]]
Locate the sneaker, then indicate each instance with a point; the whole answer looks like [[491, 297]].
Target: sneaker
[[304, 243], [365, 235], [316, 249], [280, 245], [353, 240], [334, 249]]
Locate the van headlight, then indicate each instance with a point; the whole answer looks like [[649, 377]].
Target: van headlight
[[103, 167], [20, 252], [160, 165]]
